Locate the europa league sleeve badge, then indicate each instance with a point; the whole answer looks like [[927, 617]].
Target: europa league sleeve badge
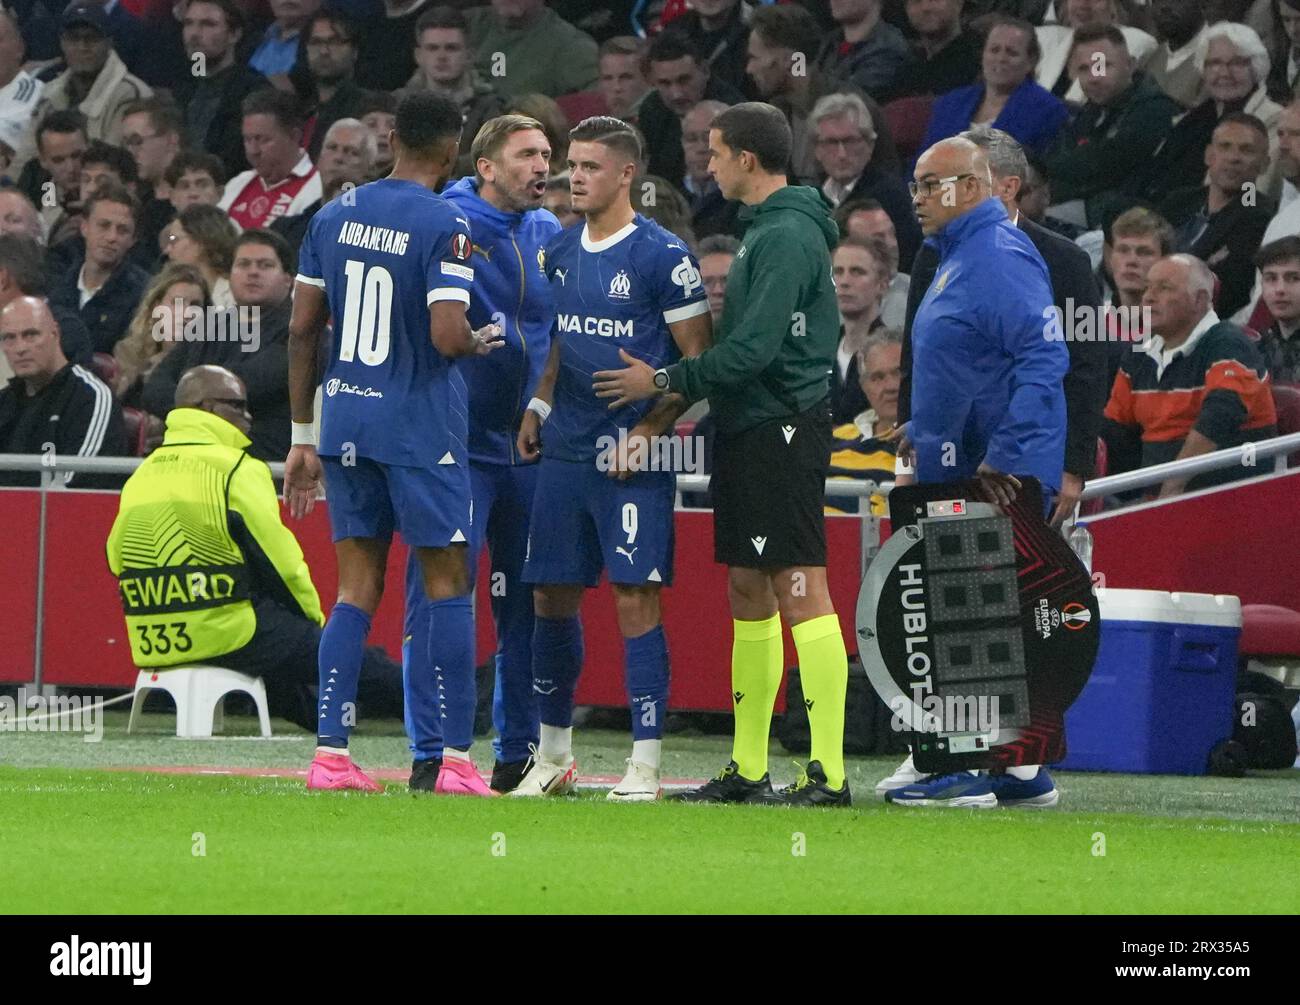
[[978, 626]]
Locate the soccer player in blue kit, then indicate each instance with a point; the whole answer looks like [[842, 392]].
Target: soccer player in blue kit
[[620, 282], [503, 202], [389, 262]]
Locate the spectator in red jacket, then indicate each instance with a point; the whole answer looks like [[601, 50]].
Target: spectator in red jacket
[[282, 181]]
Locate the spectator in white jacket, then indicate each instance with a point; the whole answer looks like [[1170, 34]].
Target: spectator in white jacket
[[96, 81]]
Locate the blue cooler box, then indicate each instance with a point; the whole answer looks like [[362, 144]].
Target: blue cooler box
[[1162, 692]]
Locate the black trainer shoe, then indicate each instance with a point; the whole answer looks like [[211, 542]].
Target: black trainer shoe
[[729, 787], [424, 774], [506, 775], [811, 790]]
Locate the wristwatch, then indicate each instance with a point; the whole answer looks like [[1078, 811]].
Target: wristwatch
[[661, 380]]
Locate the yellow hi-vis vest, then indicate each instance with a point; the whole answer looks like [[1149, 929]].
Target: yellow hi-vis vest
[[175, 547]]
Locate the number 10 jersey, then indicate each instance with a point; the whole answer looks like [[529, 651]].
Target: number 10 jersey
[[384, 253]]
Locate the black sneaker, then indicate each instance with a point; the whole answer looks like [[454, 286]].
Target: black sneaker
[[506, 775], [811, 790], [729, 787], [424, 774]]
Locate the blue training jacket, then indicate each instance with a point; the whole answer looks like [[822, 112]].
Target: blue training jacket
[[987, 357], [510, 286]]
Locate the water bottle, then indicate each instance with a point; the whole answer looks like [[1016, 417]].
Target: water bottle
[[1080, 540]]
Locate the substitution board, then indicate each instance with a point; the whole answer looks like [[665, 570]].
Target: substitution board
[[978, 626]]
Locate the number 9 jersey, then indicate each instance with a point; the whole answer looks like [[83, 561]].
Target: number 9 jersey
[[384, 253]]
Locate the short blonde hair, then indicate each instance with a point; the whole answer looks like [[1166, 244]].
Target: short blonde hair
[[492, 135]]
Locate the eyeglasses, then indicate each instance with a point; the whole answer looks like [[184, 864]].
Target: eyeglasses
[[1235, 63], [927, 188], [138, 141], [848, 143]]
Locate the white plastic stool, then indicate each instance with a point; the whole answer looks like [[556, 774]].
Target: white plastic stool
[[198, 692]]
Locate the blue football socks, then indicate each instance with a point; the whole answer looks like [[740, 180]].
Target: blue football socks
[[342, 647]]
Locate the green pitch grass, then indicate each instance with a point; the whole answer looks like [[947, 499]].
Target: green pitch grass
[[116, 841]]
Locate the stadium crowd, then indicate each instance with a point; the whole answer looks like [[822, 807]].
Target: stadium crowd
[[156, 159]]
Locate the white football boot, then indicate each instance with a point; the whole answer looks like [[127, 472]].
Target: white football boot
[[904, 774], [547, 778], [639, 785]]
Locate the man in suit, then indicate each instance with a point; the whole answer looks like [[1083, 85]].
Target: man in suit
[[845, 141], [1074, 290]]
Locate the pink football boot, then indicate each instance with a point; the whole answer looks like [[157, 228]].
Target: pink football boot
[[336, 771], [460, 778]]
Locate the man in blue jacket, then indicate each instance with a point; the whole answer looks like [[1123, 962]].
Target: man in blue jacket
[[502, 202], [987, 387]]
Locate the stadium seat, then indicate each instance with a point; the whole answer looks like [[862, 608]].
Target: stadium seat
[[1269, 630], [1287, 402], [1270, 644], [137, 430], [198, 692], [908, 119], [105, 367], [582, 105]]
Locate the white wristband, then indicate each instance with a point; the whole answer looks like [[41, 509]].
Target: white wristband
[[302, 434], [542, 409], [901, 467]]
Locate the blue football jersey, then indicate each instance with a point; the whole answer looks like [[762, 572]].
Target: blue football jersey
[[619, 293], [383, 256]]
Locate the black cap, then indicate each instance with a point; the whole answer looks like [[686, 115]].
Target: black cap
[[86, 13]]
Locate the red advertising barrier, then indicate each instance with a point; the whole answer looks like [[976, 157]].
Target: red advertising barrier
[[1239, 540], [85, 637], [20, 513]]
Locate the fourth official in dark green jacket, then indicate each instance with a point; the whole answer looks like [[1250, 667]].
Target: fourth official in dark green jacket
[[776, 341]]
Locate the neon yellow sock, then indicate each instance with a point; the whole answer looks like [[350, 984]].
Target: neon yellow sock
[[824, 675], [755, 675]]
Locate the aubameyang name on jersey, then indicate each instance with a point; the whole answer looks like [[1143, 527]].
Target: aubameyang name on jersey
[[593, 326], [361, 235]]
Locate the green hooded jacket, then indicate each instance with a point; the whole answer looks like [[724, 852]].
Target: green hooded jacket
[[775, 345]]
